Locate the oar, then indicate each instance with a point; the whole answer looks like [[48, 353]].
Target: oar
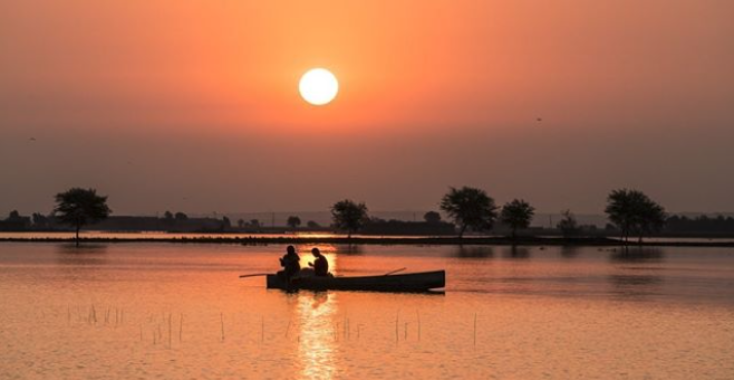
[[254, 275], [395, 271]]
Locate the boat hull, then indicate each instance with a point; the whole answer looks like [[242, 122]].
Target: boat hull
[[409, 282]]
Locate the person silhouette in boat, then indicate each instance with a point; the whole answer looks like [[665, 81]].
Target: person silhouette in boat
[[320, 265], [291, 264]]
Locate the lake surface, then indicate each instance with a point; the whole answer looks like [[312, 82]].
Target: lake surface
[[180, 311]]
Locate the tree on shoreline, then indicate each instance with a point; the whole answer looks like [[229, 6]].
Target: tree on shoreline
[[294, 222], [568, 225], [469, 208], [349, 216], [633, 212], [78, 207], [517, 214], [432, 217]]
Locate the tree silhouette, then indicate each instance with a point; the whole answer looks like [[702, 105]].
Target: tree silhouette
[[226, 223], [517, 214], [293, 221], [181, 216], [469, 208], [632, 211], [312, 224], [40, 220], [432, 217], [240, 223], [78, 207], [349, 216], [568, 224], [168, 215]]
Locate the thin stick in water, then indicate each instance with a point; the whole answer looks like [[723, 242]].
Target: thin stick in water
[[170, 331], [475, 329], [397, 335], [180, 329], [221, 318], [418, 314]]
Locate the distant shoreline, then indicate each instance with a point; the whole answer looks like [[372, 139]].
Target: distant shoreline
[[498, 241]]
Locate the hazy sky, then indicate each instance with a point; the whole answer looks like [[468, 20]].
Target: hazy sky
[[193, 105]]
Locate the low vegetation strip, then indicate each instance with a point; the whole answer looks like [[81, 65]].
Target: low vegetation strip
[[256, 240]]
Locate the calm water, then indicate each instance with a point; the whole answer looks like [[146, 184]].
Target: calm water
[[180, 311]]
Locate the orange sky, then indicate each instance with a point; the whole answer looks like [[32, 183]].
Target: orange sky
[[433, 94]]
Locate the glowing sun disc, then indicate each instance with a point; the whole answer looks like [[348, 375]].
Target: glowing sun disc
[[318, 86]]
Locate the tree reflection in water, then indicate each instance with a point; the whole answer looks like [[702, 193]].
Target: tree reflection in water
[[518, 252], [474, 251], [640, 279]]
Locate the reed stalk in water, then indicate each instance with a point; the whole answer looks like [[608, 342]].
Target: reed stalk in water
[[170, 330], [221, 318], [180, 329], [397, 328], [475, 329], [418, 315]]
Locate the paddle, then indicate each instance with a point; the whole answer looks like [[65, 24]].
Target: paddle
[[395, 271], [254, 275]]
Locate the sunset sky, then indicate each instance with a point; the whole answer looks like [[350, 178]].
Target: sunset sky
[[193, 105]]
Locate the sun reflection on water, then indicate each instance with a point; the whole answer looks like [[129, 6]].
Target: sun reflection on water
[[315, 313]]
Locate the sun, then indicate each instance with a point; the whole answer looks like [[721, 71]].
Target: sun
[[318, 86]]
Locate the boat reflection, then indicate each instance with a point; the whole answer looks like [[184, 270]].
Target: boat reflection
[[315, 316]]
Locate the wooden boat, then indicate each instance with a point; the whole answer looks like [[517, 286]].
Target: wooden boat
[[408, 282]]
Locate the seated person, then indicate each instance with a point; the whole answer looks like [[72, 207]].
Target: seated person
[[291, 263], [320, 265]]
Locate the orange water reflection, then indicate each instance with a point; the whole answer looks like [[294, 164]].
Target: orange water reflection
[[315, 314]]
